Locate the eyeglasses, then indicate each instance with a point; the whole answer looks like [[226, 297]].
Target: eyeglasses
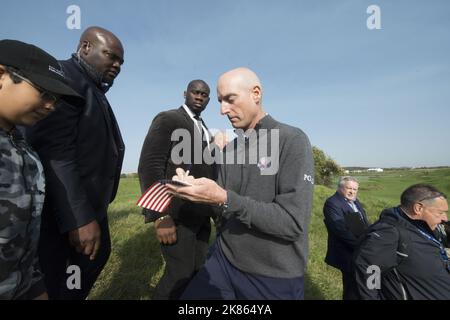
[[45, 95], [432, 197]]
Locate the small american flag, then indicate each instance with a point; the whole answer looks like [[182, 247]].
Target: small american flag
[[156, 198]]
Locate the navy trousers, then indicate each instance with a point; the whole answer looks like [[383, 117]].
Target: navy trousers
[[220, 280]]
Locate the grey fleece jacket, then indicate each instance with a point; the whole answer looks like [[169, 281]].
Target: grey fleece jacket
[[264, 230]]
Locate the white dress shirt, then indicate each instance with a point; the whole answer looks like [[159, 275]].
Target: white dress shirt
[[196, 122]]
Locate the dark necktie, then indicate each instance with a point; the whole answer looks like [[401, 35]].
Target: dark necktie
[[203, 134], [355, 209], [199, 123]]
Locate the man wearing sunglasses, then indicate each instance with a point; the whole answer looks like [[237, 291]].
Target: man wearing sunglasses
[[31, 82], [402, 256], [82, 151]]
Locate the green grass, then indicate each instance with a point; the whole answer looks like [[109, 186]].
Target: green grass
[[136, 265]]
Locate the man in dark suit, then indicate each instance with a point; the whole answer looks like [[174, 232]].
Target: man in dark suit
[[343, 231], [184, 228], [81, 148]]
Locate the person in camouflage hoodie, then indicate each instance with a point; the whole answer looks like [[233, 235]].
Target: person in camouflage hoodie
[[21, 200], [30, 84]]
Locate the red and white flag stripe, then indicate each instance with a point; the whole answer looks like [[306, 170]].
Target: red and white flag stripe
[[156, 198]]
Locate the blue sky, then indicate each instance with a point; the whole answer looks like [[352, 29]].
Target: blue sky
[[366, 97]]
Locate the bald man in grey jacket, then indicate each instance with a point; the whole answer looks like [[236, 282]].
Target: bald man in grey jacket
[[263, 198]]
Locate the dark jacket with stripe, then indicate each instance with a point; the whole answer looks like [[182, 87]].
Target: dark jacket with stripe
[[411, 266]]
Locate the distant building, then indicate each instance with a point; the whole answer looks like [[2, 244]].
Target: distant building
[[375, 170]]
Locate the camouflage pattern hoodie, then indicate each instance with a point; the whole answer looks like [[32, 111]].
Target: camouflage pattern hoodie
[[21, 201]]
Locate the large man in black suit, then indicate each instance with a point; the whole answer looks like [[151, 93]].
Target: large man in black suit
[[81, 148], [342, 231], [184, 228]]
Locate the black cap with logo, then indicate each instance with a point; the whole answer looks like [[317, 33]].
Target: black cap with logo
[[36, 65]]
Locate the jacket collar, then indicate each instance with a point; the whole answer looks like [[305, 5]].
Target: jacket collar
[[267, 123], [417, 223], [185, 115], [396, 214], [14, 132], [188, 111], [93, 74]]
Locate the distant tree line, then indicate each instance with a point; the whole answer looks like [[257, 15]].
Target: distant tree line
[[325, 168]]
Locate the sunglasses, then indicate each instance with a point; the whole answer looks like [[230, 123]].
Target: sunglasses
[[45, 95]]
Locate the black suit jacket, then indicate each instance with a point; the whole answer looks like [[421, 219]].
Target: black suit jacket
[[341, 242], [81, 148], [156, 163]]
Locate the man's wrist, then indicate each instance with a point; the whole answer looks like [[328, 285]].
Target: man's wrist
[[223, 198], [150, 215], [160, 220], [163, 217]]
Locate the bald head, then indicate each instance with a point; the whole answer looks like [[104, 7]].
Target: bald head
[[241, 77], [96, 35], [103, 51], [240, 95]]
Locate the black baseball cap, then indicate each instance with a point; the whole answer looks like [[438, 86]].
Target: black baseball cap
[[36, 65]]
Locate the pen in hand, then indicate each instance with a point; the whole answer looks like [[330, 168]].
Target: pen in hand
[[182, 175], [188, 170]]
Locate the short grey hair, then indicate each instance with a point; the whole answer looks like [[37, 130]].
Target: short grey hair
[[345, 179], [418, 193]]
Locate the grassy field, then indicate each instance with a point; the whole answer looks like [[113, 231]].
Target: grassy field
[[136, 265]]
